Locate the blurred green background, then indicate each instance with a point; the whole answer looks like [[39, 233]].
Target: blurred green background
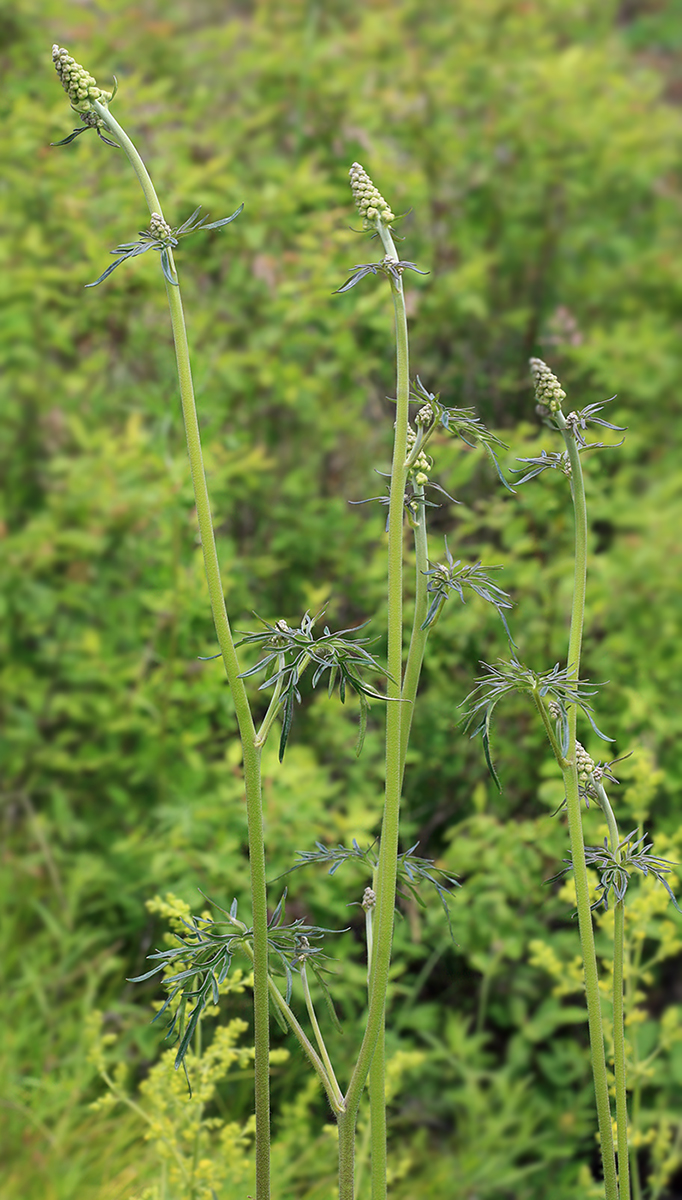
[[534, 147]]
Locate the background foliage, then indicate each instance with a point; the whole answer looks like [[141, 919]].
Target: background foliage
[[535, 147]]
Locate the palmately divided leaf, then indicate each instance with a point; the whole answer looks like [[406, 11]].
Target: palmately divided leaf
[[514, 676], [615, 867], [344, 658], [153, 239], [451, 576]]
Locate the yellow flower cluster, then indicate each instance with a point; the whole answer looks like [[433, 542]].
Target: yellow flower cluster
[[568, 975], [80, 87]]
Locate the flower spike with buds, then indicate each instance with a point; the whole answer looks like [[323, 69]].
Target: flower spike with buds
[[548, 391], [79, 85], [370, 203]]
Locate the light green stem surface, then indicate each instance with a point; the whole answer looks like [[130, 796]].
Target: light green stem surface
[[388, 851], [415, 657], [541, 706], [575, 828], [247, 731], [618, 1017], [334, 1096], [619, 1051], [324, 1054]]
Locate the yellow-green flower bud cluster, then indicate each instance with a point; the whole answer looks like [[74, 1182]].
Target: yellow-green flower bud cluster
[[370, 203], [583, 762], [548, 391], [369, 899], [159, 228], [425, 415], [79, 86], [554, 709], [422, 464]]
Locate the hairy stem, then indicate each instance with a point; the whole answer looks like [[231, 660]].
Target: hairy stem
[[388, 852], [251, 752], [575, 828], [346, 1126], [377, 1081]]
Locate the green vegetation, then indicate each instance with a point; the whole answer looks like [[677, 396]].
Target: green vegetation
[[539, 152]]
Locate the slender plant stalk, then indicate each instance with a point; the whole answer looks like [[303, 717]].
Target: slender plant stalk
[[618, 1019], [324, 1054], [633, 974], [388, 852], [251, 751], [273, 707], [541, 706], [377, 1116], [570, 775], [376, 1133], [333, 1093], [619, 1051], [415, 656]]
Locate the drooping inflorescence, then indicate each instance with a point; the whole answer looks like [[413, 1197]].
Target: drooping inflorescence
[[548, 391], [370, 203], [79, 85]]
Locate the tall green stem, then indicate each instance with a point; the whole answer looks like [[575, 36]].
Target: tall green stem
[[630, 983], [570, 775], [618, 1018], [388, 852], [619, 1050], [251, 752], [415, 656]]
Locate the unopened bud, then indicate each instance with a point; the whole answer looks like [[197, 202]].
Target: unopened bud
[[548, 391], [158, 227], [80, 87], [369, 200], [583, 762], [369, 899]]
